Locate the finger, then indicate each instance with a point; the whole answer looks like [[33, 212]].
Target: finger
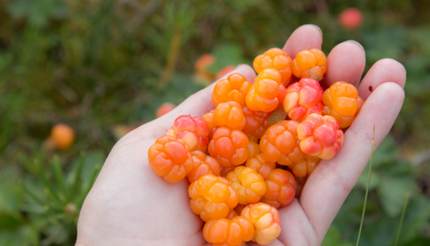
[[382, 71], [296, 226], [304, 37], [196, 105], [346, 62], [331, 182]]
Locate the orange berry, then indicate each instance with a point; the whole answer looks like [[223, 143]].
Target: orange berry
[[229, 147], [212, 197], [248, 184], [202, 65], [232, 88], [200, 164], [277, 59], [310, 64], [342, 102], [278, 141], [256, 123], [209, 118], [303, 98], [265, 219], [225, 70], [259, 164], [228, 232], [320, 136], [264, 95], [62, 136], [194, 131], [164, 109], [271, 74], [253, 149], [229, 114], [301, 165], [281, 188], [167, 158]]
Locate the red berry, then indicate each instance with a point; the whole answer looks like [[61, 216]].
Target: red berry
[[303, 98], [164, 109], [194, 131], [320, 136], [351, 18]]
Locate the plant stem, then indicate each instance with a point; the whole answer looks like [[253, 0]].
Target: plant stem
[[402, 218], [366, 194]]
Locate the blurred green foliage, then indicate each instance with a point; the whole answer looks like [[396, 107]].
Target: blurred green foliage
[[96, 64]]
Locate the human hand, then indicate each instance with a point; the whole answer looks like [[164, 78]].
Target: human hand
[[130, 205]]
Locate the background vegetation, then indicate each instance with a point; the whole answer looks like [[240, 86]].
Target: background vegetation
[[100, 64]]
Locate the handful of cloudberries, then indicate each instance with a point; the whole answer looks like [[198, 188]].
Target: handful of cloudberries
[[247, 157]]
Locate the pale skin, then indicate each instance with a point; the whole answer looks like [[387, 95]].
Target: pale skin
[[130, 205]]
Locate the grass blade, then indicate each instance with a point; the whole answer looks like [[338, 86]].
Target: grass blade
[[366, 194], [402, 219]]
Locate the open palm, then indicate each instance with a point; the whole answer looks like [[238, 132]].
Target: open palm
[[129, 205]]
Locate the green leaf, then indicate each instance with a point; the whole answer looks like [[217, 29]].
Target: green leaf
[[416, 218], [226, 54], [393, 191], [334, 237]]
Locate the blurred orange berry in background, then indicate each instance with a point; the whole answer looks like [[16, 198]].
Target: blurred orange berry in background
[[351, 18], [164, 109], [202, 65], [62, 136]]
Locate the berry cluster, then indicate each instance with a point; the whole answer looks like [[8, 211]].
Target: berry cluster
[[247, 157]]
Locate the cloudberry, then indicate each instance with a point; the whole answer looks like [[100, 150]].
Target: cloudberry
[[302, 98], [229, 114], [277, 59], [342, 102], [301, 164], [265, 219], [351, 18], [200, 164], [212, 197], [229, 147], [320, 136], [278, 141], [164, 109], [259, 164], [310, 64], [264, 95], [253, 149], [232, 88], [194, 131], [209, 118], [167, 158], [281, 188], [248, 184], [271, 74], [256, 123], [228, 232], [62, 136]]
